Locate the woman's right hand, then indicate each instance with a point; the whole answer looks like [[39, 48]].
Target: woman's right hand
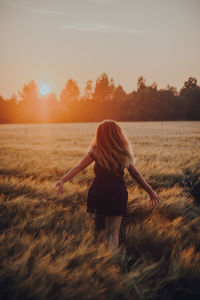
[[154, 198], [59, 185]]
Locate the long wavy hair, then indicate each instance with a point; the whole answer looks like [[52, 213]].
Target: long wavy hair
[[111, 147]]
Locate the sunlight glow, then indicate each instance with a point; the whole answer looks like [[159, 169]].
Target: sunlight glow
[[44, 89]]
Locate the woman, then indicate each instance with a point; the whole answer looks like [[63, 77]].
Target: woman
[[107, 196]]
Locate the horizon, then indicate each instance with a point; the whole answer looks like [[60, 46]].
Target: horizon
[[45, 91]]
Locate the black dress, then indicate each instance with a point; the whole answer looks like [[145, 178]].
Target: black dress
[[108, 194]]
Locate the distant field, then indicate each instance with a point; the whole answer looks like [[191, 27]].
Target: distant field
[[46, 240]]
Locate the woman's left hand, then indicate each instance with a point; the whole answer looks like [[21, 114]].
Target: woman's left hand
[[154, 198], [59, 185]]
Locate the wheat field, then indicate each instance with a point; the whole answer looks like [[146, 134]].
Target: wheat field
[[47, 249]]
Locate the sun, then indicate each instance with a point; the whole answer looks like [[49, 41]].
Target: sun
[[44, 89]]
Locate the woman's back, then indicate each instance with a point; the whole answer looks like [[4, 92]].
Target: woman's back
[[104, 174], [107, 194]]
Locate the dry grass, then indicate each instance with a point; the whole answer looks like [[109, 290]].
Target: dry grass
[[47, 249]]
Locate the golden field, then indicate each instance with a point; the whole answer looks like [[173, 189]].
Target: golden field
[[47, 250]]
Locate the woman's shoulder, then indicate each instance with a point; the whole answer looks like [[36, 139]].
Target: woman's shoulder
[[92, 151]]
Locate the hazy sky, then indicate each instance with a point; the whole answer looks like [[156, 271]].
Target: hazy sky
[[52, 41]]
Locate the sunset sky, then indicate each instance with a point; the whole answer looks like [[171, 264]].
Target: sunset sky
[[52, 41]]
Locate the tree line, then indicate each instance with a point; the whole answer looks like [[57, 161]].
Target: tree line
[[103, 101]]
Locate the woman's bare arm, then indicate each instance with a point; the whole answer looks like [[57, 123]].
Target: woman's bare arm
[[139, 178], [84, 163], [154, 197]]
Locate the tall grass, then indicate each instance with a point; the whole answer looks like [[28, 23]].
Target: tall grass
[[47, 249]]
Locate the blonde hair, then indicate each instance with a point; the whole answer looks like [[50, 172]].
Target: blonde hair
[[111, 147]]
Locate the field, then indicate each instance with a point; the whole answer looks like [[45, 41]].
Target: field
[[47, 250]]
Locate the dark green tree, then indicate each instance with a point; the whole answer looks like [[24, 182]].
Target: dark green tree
[[191, 91]]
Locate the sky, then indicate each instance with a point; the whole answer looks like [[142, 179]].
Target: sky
[[52, 41]]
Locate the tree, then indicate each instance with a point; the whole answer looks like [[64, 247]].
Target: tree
[[28, 106], [8, 110], [88, 90], [141, 83], [190, 83], [29, 92], [103, 89], [70, 92], [119, 93], [172, 89], [191, 91]]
